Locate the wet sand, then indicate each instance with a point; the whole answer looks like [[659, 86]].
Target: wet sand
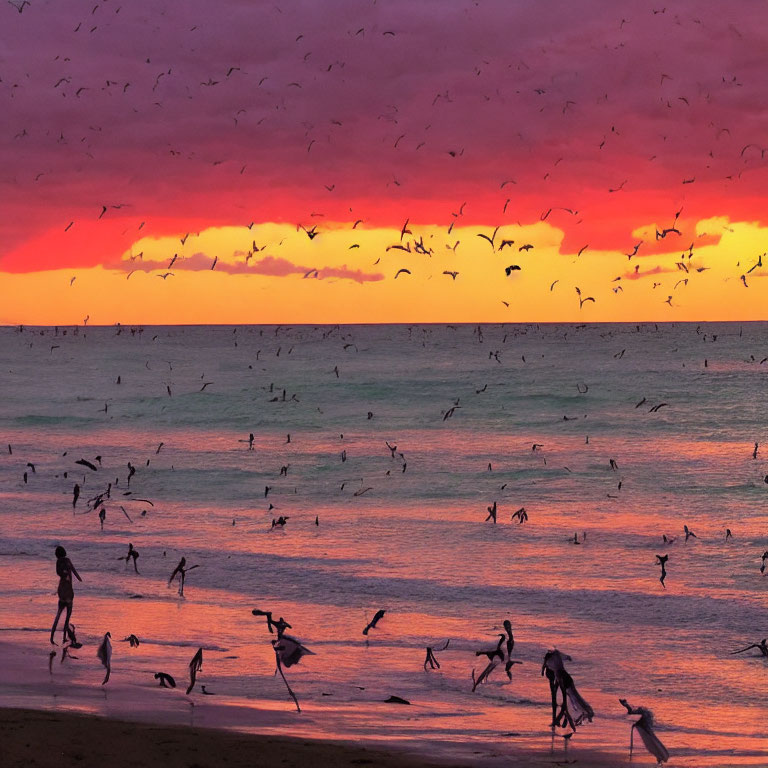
[[33, 738]]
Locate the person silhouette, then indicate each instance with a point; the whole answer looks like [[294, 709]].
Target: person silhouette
[[64, 570], [662, 561], [510, 644], [132, 553]]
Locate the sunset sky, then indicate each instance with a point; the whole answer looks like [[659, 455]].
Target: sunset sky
[[167, 162]]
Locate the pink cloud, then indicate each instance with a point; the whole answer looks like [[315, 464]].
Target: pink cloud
[[274, 266]]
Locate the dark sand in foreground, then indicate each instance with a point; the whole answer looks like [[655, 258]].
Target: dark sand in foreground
[[62, 739]]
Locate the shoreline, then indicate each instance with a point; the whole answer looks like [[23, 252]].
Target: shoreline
[[61, 738]]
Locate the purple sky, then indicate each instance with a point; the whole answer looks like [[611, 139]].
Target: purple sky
[[191, 114]]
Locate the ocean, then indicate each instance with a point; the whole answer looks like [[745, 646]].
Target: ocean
[[678, 408]]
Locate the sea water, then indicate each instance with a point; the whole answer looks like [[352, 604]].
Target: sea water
[[403, 529]]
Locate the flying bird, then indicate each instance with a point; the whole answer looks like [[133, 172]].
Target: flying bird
[[762, 646], [581, 301], [400, 271], [490, 239], [450, 412]]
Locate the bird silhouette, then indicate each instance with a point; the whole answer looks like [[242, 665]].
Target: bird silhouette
[[374, 621], [490, 239]]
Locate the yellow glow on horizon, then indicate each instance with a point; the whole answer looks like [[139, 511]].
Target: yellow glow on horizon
[[106, 295]]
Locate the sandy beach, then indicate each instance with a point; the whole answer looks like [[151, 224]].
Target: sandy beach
[[63, 739]]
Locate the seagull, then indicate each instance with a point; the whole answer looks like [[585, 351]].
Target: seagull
[[374, 621], [431, 659], [105, 656], [280, 625], [289, 650], [581, 301], [194, 667], [762, 646], [166, 681], [491, 238], [644, 727]]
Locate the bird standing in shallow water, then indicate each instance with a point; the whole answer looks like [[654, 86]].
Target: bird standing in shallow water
[[105, 656], [644, 727], [194, 667], [374, 621]]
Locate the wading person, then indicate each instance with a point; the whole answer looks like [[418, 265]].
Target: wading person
[[64, 570]]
